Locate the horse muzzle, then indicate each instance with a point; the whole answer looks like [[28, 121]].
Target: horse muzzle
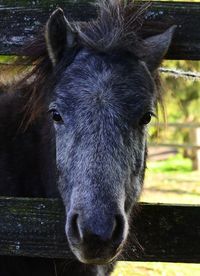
[[97, 239]]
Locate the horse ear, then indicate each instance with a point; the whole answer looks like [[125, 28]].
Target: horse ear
[[157, 47], [59, 35]]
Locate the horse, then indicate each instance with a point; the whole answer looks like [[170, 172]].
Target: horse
[[74, 125]]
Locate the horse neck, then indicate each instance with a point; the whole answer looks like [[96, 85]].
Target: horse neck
[[27, 159]]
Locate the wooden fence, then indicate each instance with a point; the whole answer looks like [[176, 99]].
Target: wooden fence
[[21, 20], [31, 227], [35, 228]]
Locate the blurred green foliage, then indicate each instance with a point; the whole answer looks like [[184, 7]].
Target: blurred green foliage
[[182, 104], [184, 92], [6, 59]]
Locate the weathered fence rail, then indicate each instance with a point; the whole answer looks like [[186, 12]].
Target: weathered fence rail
[[194, 143], [173, 145], [35, 227], [20, 20], [177, 125]]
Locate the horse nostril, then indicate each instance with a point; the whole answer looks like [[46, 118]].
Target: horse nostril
[[118, 231], [74, 228]]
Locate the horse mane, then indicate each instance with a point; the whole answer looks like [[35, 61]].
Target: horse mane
[[115, 28]]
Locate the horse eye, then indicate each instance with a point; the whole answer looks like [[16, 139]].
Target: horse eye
[[56, 116], [146, 119]]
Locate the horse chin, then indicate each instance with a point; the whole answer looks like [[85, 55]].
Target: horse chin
[[95, 260]]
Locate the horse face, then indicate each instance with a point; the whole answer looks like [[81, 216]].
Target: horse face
[[101, 106]]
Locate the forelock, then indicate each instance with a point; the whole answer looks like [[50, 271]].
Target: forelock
[[115, 28]]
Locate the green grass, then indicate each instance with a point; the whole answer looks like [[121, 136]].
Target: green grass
[[174, 164], [171, 181]]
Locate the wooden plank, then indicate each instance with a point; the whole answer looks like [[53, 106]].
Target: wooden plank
[[35, 227], [32, 228], [20, 20]]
